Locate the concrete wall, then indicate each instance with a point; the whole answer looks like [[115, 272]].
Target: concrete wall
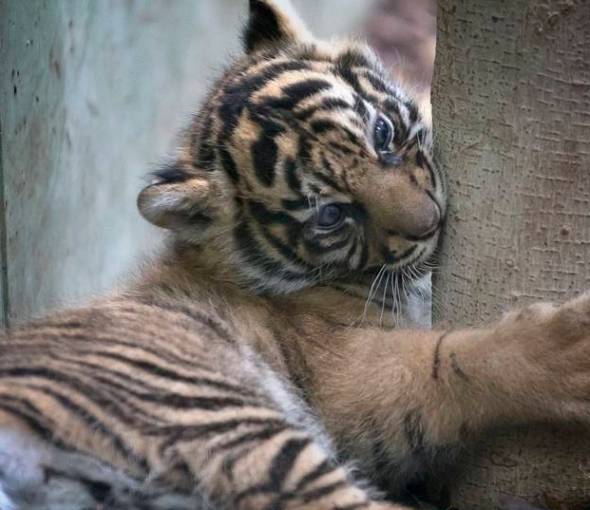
[[92, 93]]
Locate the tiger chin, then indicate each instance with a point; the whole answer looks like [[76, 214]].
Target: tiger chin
[[261, 356]]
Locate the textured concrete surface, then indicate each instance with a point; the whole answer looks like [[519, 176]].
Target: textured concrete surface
[[91, 96]]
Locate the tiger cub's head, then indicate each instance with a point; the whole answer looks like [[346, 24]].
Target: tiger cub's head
[[306, 164]]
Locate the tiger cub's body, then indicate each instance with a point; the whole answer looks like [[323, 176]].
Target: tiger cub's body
[[113, 381], [260, 351]]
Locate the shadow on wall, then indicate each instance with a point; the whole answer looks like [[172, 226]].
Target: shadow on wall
[[91, 97]]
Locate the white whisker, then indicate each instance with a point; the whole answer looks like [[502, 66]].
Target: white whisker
[[384, 297], [372, 289], [393, 300], [398, 302]]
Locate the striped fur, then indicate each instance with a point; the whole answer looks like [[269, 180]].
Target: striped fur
[[247, 365]]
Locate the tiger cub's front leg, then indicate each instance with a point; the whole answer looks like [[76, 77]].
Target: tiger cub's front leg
[[400, 399]]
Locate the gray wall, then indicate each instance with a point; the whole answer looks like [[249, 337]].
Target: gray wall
[[92, 93]]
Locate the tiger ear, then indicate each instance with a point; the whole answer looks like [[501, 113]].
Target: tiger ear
[[273, 24], [179, 201]]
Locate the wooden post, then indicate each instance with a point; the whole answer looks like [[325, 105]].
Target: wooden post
[[511, 100]]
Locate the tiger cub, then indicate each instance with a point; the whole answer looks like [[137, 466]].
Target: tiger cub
[[246, 367]]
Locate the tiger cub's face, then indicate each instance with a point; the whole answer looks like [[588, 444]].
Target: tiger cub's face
[[305, 165]]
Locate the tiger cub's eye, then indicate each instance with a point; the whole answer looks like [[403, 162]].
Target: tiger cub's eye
[[330, 216], [382, 134]]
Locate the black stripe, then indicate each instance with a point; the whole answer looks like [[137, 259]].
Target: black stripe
[[32, 417], [341, 148], [245, 395], [306, 88], [228, 163], [255, 255], [407, 252], [258, 436], [329, 181], [352, 137], [291, 175], [296, 204], [356, 506], [186, 433], [349, 76], [320, 470], [285, 249], [295, 93], [278, 471], [164, 373], [75, 384], [413, 109], [322, 126], [436, 357], [124, 410], [68, 323], [92, 421], [267, 217], [166, 399], [352, 58], [115, 331], [392, 107], [265, 152], [116, 393], [304, 151], [327, 104], [284, 460], [378, 83], [361, 108]]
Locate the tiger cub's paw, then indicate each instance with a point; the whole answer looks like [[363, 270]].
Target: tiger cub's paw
[[554, 341]]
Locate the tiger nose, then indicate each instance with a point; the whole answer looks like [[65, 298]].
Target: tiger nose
[[424, 223]]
